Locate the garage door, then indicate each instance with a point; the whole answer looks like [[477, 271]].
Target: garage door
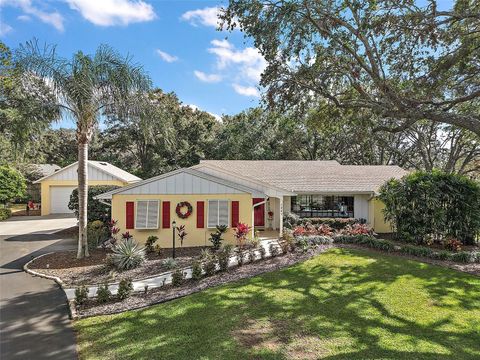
[[59, 198]]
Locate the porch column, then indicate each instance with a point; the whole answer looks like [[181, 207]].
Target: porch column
[[281, 215]]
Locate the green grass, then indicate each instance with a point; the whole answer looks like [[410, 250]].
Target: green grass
[[344, 304]]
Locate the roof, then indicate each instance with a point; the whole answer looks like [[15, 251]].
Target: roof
[[108, 168], [313, 176], [193, 172], [44, 169]]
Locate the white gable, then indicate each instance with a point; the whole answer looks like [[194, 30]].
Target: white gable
[[181, 183], [70, 173]]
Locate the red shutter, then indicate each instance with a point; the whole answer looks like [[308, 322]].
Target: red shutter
[[130, 212], [166, 214], [235, 213], [200, 214]]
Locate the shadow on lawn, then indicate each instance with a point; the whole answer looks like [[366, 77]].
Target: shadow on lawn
[[340, 310]]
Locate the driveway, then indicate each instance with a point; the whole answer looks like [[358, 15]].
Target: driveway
[[34, 319]]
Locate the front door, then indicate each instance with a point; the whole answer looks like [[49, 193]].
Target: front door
[[259, 212]]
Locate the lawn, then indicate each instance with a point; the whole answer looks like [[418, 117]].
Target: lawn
[[344, 304]]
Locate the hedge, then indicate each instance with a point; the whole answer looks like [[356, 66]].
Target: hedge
[[5, 214], [422, 251], [291, 220]]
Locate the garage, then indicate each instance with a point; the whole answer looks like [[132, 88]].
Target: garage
[[59, 199]]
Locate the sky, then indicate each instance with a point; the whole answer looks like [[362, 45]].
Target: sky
[[176, 42]]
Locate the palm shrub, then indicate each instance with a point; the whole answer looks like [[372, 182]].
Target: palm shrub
[[128, 254], [86, 87], [436, 205]]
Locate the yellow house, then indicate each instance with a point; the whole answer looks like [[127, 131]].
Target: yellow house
[[56, 188], [257, 193]]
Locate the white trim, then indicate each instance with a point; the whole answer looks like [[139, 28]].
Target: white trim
[[146, 220]]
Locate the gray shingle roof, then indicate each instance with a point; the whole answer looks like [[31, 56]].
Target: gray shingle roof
[[313, 176], [115, 171]]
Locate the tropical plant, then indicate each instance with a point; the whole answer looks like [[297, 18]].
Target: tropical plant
[[125, 288], [98, 233], [103, 293], [128, 254], [169, 263], [95, 209], [196, 270], [12, 184], [454, 245], [181, 233], [240, 233], [210, 265], [424, 205], [216, 237], [178, 277], [85, 87], [150, 244]]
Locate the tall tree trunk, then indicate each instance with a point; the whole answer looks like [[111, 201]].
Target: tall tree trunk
[[82, 199]]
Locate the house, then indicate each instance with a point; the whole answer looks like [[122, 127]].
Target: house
[[56, 188], [258, 193], [33, 172]]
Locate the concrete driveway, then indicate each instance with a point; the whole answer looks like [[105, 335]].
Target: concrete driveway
[[34, 319]]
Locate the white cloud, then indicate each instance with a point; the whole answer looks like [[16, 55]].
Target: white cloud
[[5, 29], [53, 18], [246, 90], [195, 108], [113, 12], [209, 78], [166, 56], [207, 16], [24, 18]]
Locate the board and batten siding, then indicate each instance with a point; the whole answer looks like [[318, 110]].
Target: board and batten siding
[[72, 174], [360, 207], [182, 183]]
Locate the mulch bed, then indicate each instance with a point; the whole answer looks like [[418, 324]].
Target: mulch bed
[[70, 232], [159, 295], [92, 270]]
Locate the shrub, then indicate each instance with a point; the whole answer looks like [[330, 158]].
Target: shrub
[[441, 255], [290, 220], [125, 288], [262, 252], [178, 277], [95, 210], [5, 213], [274, 249], [216, 237], [12, 184], [462, 256], [81, 295], [127, 236], [196, 270], [169, 263], [334, 223], [434, 205], [241, 257], [417, 250], [453, 245], [324, 229], [128, 254], [240, 233], [150, 244], [210, 266], [299, 231], [224, 258], [103, 293], [285, 246], [357, 229], [97, 233]]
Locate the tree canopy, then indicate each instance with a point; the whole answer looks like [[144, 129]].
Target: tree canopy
[[403, 61], [12, 184]]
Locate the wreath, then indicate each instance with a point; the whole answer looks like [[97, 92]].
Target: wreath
[[180, 206]]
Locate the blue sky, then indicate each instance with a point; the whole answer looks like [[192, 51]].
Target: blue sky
[[176, 41]]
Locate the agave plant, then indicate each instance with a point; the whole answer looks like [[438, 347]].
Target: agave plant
[[128, 254]]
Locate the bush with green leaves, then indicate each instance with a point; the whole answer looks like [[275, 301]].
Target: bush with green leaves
[[128, 254], [5, 213], [103, 293], [216, 237], [224, 257], [97, 233], [81, 294], [196, 270], [178, 277], [95, 210], [169, 263], [274, 249], [12, 184], [210, 265], [425, 205], [125, 288], [291, 220], [150, 244]]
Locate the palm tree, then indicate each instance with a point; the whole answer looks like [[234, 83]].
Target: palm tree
[[85, 86]]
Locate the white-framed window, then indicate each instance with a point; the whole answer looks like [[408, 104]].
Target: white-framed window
[[218, 213], [147, 214]]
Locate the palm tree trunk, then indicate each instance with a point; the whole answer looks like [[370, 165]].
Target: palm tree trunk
[[82, 199]]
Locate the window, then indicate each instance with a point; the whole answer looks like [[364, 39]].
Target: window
[[217, 213], [147, 214], [307, 206]]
